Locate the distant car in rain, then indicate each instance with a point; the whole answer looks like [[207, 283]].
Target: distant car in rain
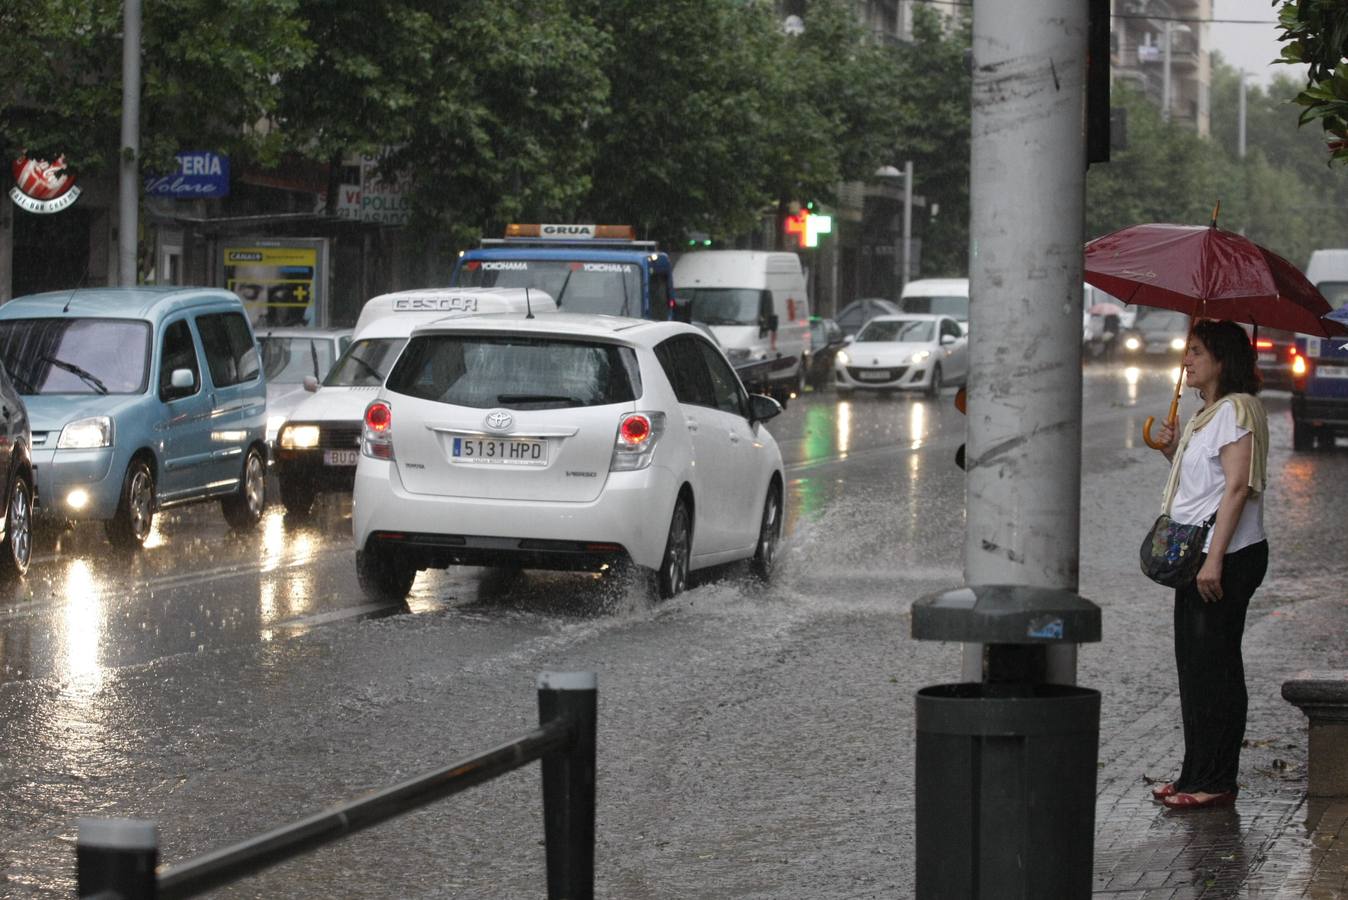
[[857, 313], [295, 361], [906, 352], [1156, 333]]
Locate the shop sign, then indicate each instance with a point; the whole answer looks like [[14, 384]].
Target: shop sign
[[201, 174], [41, 186]]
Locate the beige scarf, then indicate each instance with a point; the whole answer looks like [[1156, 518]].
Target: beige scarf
[[1251, 416]]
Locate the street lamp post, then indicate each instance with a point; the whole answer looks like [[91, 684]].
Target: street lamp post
[[887, 171]]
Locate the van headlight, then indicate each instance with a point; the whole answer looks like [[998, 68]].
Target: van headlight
[[86, 434]]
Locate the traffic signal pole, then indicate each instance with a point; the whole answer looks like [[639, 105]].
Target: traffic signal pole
[[1027, 190]]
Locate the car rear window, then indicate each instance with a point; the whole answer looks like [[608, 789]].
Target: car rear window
[[485, 371]]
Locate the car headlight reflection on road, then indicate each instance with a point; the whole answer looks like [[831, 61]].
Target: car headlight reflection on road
[[299, 437], [86, 434]]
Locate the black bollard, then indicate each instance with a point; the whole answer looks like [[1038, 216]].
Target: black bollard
[[117, 858], [568, 783]]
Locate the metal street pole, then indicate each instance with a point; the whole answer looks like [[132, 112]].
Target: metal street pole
[[128, 187], [1165, 78], [907, 224], [1240, 119], [1027, 212]]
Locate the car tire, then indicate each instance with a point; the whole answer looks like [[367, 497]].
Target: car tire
[[16, 551], [934, 386], [297, 496], [383, 576], [769, 534], [1303, 436], [243, 510], [672, 577], [130, 525]]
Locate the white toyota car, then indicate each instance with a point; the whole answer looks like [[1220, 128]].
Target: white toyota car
[[564, 441]]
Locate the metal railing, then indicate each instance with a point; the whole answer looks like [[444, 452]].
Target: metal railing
[[116, 859]]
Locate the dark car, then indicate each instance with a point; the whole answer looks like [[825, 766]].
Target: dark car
[[859, 312], [1156, 332], [1276, 351], [16, 528], [826, 339]]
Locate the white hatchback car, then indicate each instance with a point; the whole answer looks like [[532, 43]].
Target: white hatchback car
[[564, 441], [904, 352]]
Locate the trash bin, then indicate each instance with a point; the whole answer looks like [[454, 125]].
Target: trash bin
[[1006, 790]]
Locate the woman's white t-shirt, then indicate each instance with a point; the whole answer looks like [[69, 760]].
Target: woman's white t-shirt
[[1202, 482]]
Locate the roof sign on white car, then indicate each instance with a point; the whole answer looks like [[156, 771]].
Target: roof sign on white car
[[435, 304]]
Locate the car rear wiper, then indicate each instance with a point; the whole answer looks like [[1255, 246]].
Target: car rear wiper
[[88, 377], [536, 398]]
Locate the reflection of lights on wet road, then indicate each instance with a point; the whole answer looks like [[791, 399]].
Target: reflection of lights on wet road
[[844, 428], [917, 424], [1132, 375], [83, 626], [156, 536]]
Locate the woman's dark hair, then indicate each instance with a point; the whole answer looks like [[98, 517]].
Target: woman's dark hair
[[1232, 348]]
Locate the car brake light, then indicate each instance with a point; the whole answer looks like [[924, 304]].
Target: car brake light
[[377, 441], [1299, 366], [1263, 344], [1292, 353], [634, 444], [378, 416]]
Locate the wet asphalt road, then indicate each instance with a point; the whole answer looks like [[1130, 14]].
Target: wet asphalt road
[[754, 741]]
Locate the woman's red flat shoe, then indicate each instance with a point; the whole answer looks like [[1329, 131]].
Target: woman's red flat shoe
[[1165, 790], [1189, 801]]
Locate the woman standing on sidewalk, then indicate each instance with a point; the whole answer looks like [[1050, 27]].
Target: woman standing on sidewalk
[[1218, 465]]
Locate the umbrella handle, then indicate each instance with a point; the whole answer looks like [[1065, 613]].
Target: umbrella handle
[[1170, 420], [1146, 434]]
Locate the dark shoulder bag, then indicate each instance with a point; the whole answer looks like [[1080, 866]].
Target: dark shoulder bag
[[1171, 553]]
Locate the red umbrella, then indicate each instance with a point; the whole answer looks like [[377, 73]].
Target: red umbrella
[[1206, 272]]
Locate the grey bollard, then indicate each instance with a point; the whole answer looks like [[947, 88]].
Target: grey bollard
[[117, 858], [568, 784]]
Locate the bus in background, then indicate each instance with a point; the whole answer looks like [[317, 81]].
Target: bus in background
[[584, 268]]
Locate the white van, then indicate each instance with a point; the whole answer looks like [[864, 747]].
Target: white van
[[756, 304], [1328, 271], [939, 296], [318, 445]]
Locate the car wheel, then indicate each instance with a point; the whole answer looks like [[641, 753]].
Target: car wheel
[[1303, 436], [672, 578], [384, 577], [243, 510], [297, 496], [17, 548], [934, 388], [769, 533], [130, 524]]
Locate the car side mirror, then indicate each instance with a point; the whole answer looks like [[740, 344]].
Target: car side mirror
[[182, 380], [848, 338], [947, 340], [763, 407], [310, 384]]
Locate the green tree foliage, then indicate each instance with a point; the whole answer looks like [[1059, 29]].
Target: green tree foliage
[[1316, 34], [934, 86], [208, 71]]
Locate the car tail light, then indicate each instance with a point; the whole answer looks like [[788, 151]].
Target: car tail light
[[634, 445], [377, 441], [1263, 344], [1301, 368]]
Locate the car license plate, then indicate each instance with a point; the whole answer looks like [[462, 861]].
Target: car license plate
[[340, 457], [873, 376], [1325, 371], [1268, 357], [498, 451]]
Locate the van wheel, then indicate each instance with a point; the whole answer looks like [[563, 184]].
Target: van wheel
[[383, 575], [1303, 436], [243, 510], [672, 578], [130, 525], [769, 533], [297, 496], [17, 549]]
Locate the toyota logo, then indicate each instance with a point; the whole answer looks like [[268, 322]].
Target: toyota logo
[[499, 420]]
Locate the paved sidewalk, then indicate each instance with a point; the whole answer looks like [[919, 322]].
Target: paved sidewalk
[[1274, 843]]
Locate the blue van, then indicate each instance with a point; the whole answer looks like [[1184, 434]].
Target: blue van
[[139, 399]]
